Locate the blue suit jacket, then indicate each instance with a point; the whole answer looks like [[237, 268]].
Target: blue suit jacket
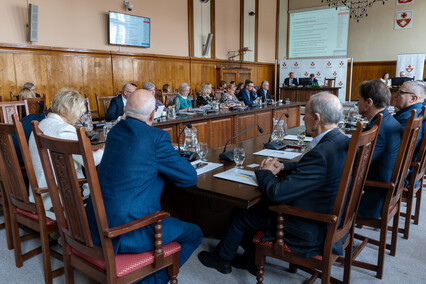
[[287, 80], [312, 185], [265, 96], [247, 97], [116, 108], [137, 161], [382, 164]]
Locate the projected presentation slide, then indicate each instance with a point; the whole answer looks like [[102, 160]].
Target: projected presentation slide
[[319, 33], [129, 30]]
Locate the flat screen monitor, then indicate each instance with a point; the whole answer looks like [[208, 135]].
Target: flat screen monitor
[[398, 81], [305, 81], [129, 30]]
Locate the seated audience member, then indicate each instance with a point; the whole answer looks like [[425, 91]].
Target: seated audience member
[[205, 96], [27, 92], [32, 88], [264, 91], [67, 108], [313, 80], [311, 185], [134, 191], [402, 74], [374, 98], [229, 98], [291, 81], [240, 86], [386, 79], [183, 101], [222, 85], [166, 88], [232, 83], [247, 94], [116, 107], [151, 87]]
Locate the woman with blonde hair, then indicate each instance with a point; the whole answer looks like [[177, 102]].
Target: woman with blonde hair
[[26, 93], [229, 98], [67, 107], [206, 96]]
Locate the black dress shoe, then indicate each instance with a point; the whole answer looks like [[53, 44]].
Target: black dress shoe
[[243, 262], [212, 260]]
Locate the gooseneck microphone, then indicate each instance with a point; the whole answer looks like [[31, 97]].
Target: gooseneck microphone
[[229, 156], [276, 145]]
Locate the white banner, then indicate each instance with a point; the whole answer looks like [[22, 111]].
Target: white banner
[[322, 68], [411, 64]]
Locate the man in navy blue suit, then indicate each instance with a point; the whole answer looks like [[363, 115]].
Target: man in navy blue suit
[[264, 92], [116, 107], [311, 185], [137, 161], [291, 81], [374, 98], [248, 94]]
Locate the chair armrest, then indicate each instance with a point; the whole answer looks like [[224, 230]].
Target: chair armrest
[[136, 224], [381, 184], [82, 181], [290, 210], [415, 164], [41, 190]]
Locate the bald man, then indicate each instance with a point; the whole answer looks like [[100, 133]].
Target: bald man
[[132, 180], [117, 105]]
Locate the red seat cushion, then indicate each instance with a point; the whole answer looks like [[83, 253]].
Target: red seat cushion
[[405, 189], [129, 262], [257, 239], [35, 216]]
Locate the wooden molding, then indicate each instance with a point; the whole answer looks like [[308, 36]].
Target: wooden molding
[[213, 28], [241, 28], [256, 30], [191, 28]]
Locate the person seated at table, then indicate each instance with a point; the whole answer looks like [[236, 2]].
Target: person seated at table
[[166, 88], [205, 97], [67, 106], [229, 98], [386, 79], [264, 92], [151, 87], [311, 184], [182, 101], [290, 81], [374, 98], [247, 94], [313, 80], [28, 92], [116, 107], [240, 86], [132, 180], [222, 86], [32, 87]]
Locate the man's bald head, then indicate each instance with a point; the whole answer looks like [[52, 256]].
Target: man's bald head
[[140, 105], [328, 106]]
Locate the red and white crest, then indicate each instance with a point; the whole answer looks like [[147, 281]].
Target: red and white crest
[[306, 74], [284, 64], [318, 73], [342, 63], [335, 73], [403, 2], [403, 20], [313, 64], [409, 69], [296, 64], [340, 83], [328, 63]]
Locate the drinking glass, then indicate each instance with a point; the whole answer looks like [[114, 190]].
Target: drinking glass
[[171, 112], [86, 121], [202, 151], [300, 137], [107, 127], [239, 157]]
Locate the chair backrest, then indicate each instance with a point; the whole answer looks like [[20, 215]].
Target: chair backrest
[[1, 98], [421, 160], [10, 108], [330, 82], [34, 104], [105, 104], [170, 98], [353, 178], [66, 195]]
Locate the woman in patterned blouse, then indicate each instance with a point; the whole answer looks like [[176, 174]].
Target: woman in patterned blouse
[[229, 98]]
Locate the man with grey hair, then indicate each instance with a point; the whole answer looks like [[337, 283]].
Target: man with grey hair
[[118, 104], [151, 87], [132, 180], [311, 185]]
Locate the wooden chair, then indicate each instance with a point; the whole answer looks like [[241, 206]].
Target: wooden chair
[[99, 263], [392, 202], [340, 222], [10, 108], [14, 97], [170, 97], [413, 190], [5, 210], [105, 105], [30, 216], [1, 98], [34, 105], [330, 82]]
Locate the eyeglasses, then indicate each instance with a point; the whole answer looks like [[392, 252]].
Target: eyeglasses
[[404, 93]]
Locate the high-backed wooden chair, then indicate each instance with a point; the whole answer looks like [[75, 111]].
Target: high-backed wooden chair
[[340, 222], [10, 108], [414, 189], [104, 102], [35, 105], [392, 202], [170, 98], [99, 263], [30, 216], [330, 82]]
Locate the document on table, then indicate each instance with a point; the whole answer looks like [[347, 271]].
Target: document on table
[[204, 167], [279, 154], [294, 137], [239, 175]]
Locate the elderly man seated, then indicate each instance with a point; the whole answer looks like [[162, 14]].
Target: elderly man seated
[[117, 105], [311, 185], [132, 180]]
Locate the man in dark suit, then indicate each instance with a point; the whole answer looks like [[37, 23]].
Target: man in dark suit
[[116, 107], [313, 80], [291, 81], [248, 94], [264, 92], [132, 180], [311, 185], [374, 98]]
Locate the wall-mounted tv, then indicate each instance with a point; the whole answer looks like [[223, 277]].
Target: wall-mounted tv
[[129, 30]]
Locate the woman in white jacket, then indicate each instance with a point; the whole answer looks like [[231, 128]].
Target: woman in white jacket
[[67, 107]]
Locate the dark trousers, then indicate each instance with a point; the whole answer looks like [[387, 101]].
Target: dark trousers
[[189, 241]]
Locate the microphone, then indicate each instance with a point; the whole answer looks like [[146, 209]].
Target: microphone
[[276, 145], [229, 156], [190, 156]]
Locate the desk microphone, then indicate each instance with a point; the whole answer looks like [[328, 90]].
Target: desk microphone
[[276, 145], [190, 156], [229, 156]]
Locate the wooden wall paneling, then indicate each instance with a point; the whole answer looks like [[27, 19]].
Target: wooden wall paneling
[[203, 131], [163, 73], [221, 131], [180, 73], [244, 122], [294, 117], [264, 120], [202, 72], [172, 132], [122, 72], [7, 75]]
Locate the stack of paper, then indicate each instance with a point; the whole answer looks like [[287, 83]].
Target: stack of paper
[[205, 167], [239, 175], [294, 137], [279, 154]]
